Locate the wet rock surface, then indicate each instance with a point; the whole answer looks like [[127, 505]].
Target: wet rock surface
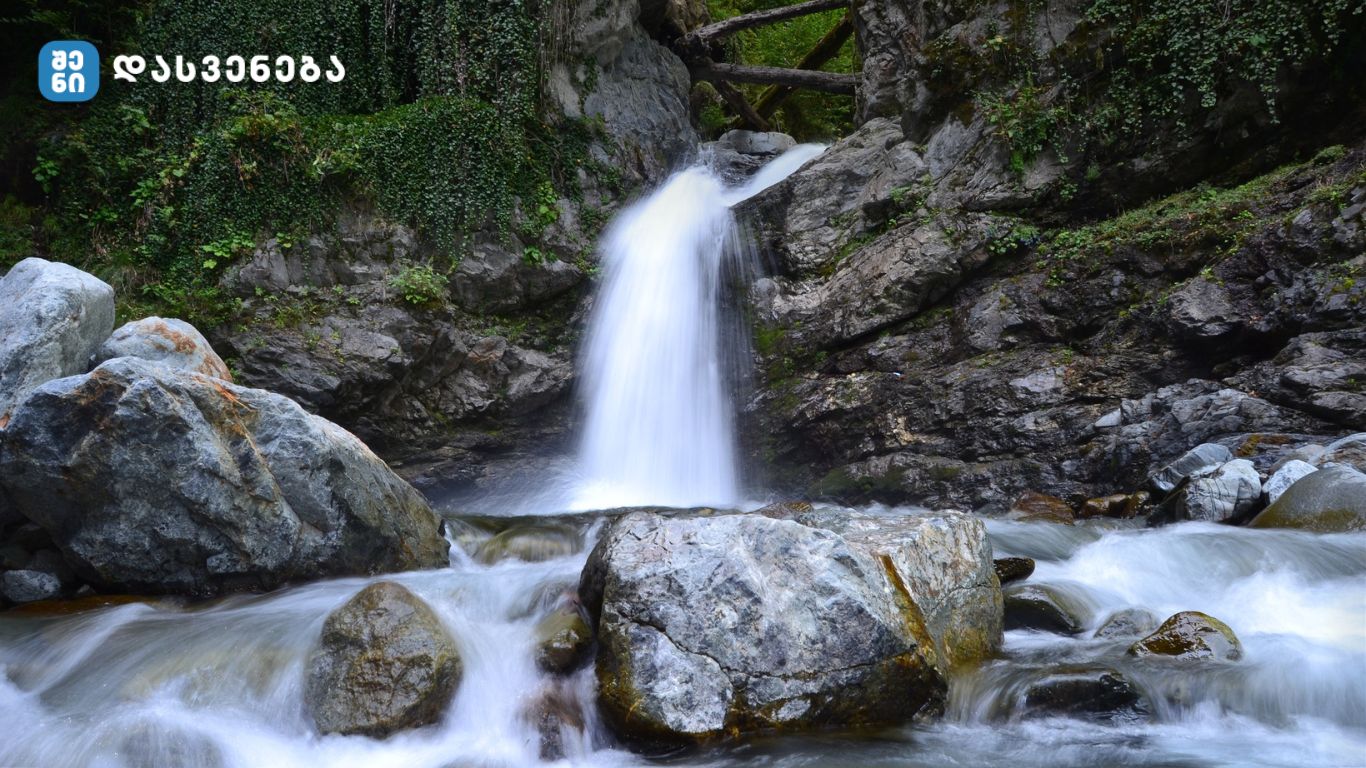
[[1190, 635], [384, 664], [1097, 694], [698, 637], [1036, 606], [1130, 622], [1010, 569]]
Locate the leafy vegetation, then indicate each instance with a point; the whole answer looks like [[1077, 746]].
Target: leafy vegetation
[[805, 114], [1158, 63], [161, 187]]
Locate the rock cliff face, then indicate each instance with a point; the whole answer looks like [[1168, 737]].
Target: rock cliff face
[[951, 319], [478, 370]]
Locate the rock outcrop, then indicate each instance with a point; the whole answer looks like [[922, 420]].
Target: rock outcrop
[[384, 663], [721, 624], [152, 479], [950, 317], [54, 319]]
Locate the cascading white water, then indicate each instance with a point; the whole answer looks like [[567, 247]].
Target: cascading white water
[[659, 424]]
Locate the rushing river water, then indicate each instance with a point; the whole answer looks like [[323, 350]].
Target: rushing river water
[[220, 685]]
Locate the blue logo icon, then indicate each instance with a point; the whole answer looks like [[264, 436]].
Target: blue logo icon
[[68, 70]]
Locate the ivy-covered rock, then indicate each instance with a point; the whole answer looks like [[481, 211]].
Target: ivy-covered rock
[[384, 663]]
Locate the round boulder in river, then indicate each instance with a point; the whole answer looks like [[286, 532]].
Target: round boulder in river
[[1191, 635], [1331, 500], [384, 663]]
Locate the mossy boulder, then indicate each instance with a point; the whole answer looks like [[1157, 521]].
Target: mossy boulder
[[1331, 500], [1190, 635], [384, 663], [1037, 606]]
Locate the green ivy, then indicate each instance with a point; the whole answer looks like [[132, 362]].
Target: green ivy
[[161, 187]]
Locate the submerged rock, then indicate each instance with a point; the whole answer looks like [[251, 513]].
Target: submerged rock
[[1331, 500], [1191, 635], [1130, 622], [52, 319], [1010, 569], [155, 480], [1037, 606], [384, 663], [530, 543], [710, 626], [557, 714], [563, 639], [173, 343], [1096, 694]]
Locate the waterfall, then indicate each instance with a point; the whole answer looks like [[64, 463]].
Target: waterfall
[[659, 422]]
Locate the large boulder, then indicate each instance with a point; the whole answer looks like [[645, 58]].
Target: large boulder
[[53, 317], [171, 342], [384, 663], [722, 624], [155, 480], [1331, 500]]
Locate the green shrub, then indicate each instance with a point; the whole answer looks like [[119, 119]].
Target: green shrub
[[420, 285]]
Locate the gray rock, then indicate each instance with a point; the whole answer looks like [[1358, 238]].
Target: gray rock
[[26, 586], [1225, 493], [1200, 460], [1130, 622], [1201, 311], [194, 485], [1349, 451], [1331, 500], [1190, 635], [53, 317], [1284, 477], [384, 663], [170, 342], [709, 625], [756, 143], [1009, 569]]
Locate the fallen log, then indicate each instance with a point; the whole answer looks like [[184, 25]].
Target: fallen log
[[720, 72], [700, 37], [825, 50]]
